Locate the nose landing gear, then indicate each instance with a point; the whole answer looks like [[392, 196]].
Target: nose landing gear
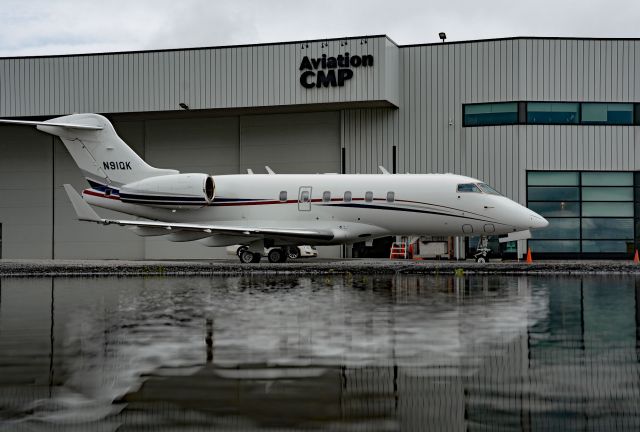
[[482, 251]]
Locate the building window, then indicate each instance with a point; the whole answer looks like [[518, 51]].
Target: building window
[[391, 197], [552, 113], [607, 113], [368, 196], [588, 212], [326, 196], [283, 196], [490, 114], [347, 196]]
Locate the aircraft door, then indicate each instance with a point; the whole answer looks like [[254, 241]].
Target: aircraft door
[[304, 198]]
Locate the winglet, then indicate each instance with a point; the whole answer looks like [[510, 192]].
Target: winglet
[[383, 169], [83, 210], [269, 170]]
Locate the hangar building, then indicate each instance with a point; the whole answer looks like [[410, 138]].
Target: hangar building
[[550, 122]]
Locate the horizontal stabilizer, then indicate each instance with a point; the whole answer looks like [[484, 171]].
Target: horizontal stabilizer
[[83, 210], [45, 123]]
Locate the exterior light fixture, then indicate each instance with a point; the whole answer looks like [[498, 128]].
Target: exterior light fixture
[[183, 105], [442, 36]]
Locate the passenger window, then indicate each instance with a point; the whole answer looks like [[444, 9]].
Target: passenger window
[[391, 196], [368, 197], [326, 196], [347, 196], [283, 195], [468, 187]]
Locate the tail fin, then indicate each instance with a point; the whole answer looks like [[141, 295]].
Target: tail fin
[[97, 150]]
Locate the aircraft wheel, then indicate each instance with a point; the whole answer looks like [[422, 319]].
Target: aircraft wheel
[[481, 260], [246, 256], [276, 255], [293, 252], [240, 250]]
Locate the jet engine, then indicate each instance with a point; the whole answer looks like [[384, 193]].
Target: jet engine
[[170, 191]]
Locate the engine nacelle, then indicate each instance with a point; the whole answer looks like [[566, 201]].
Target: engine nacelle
[[170, 191]]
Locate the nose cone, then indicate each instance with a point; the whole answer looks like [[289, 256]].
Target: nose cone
[[537, 221]]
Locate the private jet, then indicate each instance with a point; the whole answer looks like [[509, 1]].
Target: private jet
[[271, 210]]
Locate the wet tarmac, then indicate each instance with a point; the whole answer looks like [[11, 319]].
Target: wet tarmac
[[320, 352], [31, 268]]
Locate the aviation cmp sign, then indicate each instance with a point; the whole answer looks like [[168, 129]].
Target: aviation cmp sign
[[331, 71]]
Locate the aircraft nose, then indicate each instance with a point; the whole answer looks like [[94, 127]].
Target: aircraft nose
[[538, 221]]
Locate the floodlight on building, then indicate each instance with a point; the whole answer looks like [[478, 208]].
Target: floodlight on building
[[442, 36]]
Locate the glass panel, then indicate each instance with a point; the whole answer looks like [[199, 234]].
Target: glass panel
[[553, 194], [468, 187], [607, 246], [607, 194], [347, 196], [607, 179], [368, 196], [491, 114], [304, 197], [561, 208], [607, 113], [609, 228], [488, 189], [391, 196], [566, 228], [326, 196], [552, 178], [283, 195], [554, 245], [552, 113], [606, 209]]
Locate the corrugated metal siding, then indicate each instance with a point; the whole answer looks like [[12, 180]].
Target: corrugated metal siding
[[233, 77], [435, 80]]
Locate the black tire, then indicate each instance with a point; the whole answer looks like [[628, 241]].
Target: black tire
[[240, 250], [481, 260], [293, 252], [246, 257], [276, 255]]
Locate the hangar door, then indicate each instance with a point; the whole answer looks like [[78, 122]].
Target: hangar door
[[291, 143]]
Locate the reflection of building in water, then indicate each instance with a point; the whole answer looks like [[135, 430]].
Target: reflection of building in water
[[402, 353]]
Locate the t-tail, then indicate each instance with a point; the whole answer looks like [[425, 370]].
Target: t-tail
[[99, 152], [112, 168]]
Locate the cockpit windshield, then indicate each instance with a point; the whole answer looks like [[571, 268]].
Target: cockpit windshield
[[488, 189], [478, 188], [468, 187]]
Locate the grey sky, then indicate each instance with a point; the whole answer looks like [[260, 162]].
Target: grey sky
[[34, 27]]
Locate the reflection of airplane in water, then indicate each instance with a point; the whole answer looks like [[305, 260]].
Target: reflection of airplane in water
[[274, 211]]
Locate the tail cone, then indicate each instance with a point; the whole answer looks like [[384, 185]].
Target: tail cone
[[530, 260]]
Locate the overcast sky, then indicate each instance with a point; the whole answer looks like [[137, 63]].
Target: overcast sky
[[35, 27]]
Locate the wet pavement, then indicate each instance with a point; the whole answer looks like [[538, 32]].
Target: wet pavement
[[320, 352], [17, 268]]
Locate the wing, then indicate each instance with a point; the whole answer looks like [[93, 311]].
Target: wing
[[86, 213]]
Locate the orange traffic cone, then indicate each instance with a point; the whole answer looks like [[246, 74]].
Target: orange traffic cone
[[529, 259], [635, 257]]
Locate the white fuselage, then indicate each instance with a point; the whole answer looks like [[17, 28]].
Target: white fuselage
[[380, 205]]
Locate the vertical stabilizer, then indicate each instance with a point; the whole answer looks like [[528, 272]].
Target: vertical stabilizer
[[97, 150]]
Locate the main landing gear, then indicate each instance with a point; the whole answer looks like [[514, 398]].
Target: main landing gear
[[482, 251], [275, 255]]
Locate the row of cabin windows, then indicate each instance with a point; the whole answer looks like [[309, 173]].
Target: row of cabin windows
[[326, 196]]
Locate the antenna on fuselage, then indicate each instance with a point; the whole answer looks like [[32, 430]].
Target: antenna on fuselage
[[383, 170], [269, 170]]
